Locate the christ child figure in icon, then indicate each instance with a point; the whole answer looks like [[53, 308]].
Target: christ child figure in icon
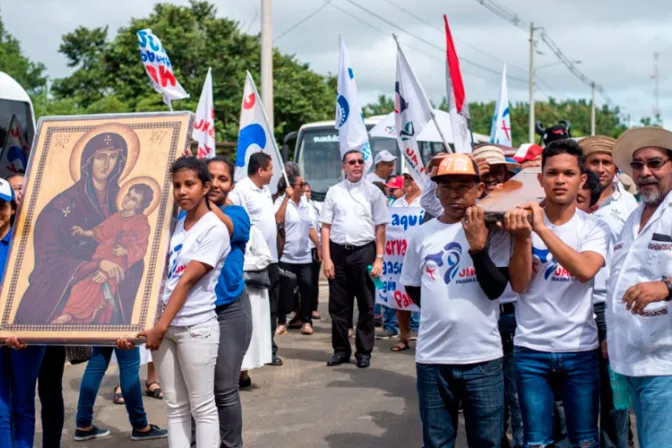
[[122, 239]]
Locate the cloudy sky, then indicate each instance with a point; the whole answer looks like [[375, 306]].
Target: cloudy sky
[[614, 40]]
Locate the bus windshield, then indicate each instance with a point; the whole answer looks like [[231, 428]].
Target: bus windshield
[[22, 112], [319, 157]]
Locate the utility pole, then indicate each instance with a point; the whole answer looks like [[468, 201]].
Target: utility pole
[[656, 91], [592, 111], [267, 59], [531, 83]]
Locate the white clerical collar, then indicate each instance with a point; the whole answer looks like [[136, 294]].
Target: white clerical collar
[[354, 184]]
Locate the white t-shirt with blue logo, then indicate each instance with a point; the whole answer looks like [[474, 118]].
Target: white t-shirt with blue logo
[[206, 242], [458, 323], [555, 314]]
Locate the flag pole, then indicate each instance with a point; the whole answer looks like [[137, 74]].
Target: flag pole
[[434, 120]]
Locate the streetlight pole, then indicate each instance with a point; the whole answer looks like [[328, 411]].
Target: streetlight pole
[[531, 124], [267, 60], [592, 110]]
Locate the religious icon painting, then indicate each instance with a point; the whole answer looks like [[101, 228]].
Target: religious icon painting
[[89, 244]]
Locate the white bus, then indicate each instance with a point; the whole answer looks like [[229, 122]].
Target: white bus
[[318, 155], [15, 105]]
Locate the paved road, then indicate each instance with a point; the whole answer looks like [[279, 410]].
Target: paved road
[[301, 404]]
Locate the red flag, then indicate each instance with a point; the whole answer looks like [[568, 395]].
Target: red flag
[[454, 69]]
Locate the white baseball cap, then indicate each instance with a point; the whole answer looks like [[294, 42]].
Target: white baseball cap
[[384, 156], [6, 192]]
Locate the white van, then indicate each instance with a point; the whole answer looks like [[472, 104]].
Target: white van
[[319, 157], [17, 126]]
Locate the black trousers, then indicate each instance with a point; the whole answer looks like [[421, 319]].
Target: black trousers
[[352, 281], [50, 390], [273, 297], [315, 279], [304, 277]]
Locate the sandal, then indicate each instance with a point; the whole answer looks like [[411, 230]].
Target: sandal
[[117, 397], [307, 329], [280, 330], [400, 347], [154, 393]]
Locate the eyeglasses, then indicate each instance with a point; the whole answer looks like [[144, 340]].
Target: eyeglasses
[[356, 162], [652, 164]]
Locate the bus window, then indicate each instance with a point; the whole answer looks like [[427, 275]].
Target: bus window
[[22, 112]]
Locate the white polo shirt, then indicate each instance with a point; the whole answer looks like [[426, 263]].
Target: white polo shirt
[[373, 177], [258, 203], [207, 242], [403, 202], [641, 345], [458, 323], [353, 210], [297, 225], [555, 314], [314, 209]]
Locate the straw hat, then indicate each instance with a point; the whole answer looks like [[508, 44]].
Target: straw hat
[[494, 155], [597, 143], [637, 138]]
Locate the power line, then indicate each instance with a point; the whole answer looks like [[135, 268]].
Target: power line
[[442, 50], [302, 21], [463, 42], [516, 20]]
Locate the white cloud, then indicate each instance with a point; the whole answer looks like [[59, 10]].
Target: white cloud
[[614, 39]]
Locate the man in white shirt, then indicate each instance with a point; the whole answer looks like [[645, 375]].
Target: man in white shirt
[[638, 289], [384, 167], [455, 270], [254, 196], [613, 207], [354, 215], [554, 262]]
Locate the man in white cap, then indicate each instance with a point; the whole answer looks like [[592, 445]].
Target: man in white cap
[[384, 167], [639, 291]]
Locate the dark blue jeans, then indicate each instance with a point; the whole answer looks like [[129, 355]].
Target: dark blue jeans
[[129, 378], [577, 378], [18, 376], [507, 328], [480, 389]]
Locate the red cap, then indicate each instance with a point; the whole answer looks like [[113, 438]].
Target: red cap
[[395, 182], [528, 151]]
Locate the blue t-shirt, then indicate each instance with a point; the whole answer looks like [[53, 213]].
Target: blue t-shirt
[[231, 284], [4, 253]]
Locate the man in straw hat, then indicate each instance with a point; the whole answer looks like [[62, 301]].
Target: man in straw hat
[[554, 261], [455, 270], [614, 207], [638, 289]]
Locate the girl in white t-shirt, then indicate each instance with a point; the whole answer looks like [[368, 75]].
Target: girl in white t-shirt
[[185, 339]]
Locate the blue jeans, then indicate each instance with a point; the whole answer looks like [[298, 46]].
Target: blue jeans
[[576, 376], [390, 319], [652, 401], [18, 376], [129, 378], [415, 321], [480, 389], [507, 328]]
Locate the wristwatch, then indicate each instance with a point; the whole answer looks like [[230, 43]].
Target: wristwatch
[[668, 283], [380, 256]]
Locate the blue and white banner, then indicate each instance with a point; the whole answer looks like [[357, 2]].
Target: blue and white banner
[[158, 67], [500, 132], [254, 135], [403, 222], [349, 117]]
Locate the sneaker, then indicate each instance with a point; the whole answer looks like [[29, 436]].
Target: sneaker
[[154, 433], [387, 334], [93, 433]]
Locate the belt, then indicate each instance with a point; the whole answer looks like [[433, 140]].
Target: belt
[[350, 247], [507, 308]]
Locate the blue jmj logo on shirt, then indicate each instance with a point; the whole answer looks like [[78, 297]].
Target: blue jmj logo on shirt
[[554, 271], [453, 253], [173, 256]]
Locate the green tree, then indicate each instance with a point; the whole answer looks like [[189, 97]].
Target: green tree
[[29, 74], [195, 39], [577, 112], [384, 106]]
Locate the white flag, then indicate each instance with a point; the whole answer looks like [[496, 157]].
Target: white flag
[[500, 133], [255, 135], [412, 112], [457, 101], [349, 118], [204, 127], [158, 67]]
